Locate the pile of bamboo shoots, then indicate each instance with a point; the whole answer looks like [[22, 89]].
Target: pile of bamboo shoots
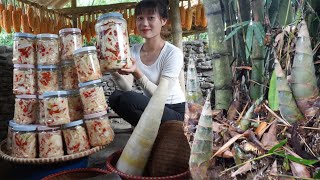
[[20, 17]]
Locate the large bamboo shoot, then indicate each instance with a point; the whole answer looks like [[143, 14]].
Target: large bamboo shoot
[[304, 82], [138, 148], [201, 149]]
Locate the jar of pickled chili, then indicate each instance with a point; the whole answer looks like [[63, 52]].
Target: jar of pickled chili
[[25, 109], [71, 39], [112, 42], [99, 130], [87, 64], [50, 142], [48, 78], [92, 97], [24, 79], [24, 141], [10, 135], [75, 137], [69, 75], [41, 115], [75, 105], [48, 49], [56, 108], [24, 49]]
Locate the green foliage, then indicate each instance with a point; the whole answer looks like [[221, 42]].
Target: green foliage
[[134, 39], [317, 176], [6, 39], [273, 98], [277, 146]]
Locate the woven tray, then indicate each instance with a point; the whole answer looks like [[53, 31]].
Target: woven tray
[[5, 156], [76, 174]]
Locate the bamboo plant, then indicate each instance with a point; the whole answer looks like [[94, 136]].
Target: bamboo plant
[[138, 148]]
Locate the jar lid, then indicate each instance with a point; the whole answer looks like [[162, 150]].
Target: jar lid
[[111, 14], [67, 62], [95, 115], [12, 123], [23, 66], [90, 82], [24, 96], [73, 92], [47, 67], [47, 36], [25, 35], [69, 30], [46, 128], [83, 49], [25, 128], [55, 93], [73, 123], [40, 97]]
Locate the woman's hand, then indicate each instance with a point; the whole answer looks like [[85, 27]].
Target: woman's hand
[[129, 70]]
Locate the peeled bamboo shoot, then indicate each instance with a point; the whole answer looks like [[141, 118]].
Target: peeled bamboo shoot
[[201, 150], [138, 148]]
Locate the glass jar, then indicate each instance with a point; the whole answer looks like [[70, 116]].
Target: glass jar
[[48, 78], [112, 42], [24, 49], [24, 141], [25, 109], [92, 97], [48, 49], [69, 75], [71, 39], [50, 142], [99, 130], [56, 108], [41, 116], [24, 79], [10, 135], [75, 137], [75, 105], [87, 64]]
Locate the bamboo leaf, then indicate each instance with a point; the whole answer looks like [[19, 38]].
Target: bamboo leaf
[[297, 160], [317, 176], [259, 33], [238, 27], [244, 23], [249, 38], [281, 143], [273, 97]]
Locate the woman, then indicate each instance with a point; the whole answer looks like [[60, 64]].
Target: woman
[[152, 60]]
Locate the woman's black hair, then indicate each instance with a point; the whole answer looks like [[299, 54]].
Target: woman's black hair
[[151, 6]]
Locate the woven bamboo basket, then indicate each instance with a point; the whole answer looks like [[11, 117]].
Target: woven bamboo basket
[[4, 155], [76, 174]]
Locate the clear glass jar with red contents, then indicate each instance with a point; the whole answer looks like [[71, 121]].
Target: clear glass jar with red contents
[[71, 39], [48, 49], [48, 78], [24, 49], [25, 109], [56, 108], [112, 42], [24, 141], [99, 130], [69, 75], [24, 79], [75, 105], [10, 135], [41, 115], [92, 97], [50, 142], [87, 64], [75, 137]]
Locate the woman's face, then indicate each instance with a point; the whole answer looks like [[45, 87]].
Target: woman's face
[[149, 24]]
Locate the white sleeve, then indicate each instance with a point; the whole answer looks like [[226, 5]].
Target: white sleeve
[[124, 82], [149, 86]]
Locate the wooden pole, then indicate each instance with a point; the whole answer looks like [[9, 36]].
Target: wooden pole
[[176, 31], [74, 17]]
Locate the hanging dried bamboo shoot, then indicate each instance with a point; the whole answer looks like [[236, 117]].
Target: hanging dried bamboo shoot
[[92, 25], [6, 14], [10, 7], [36, 29], [25, 23], [30, 15], [202, 150], [189, 15], [138, 148], [133, 23], [16, 20], [1, 18], [304, 81], [198, 14], [204, 21], [129, 24], [183, 16]]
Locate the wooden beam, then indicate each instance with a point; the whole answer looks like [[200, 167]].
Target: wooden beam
[[93, 9], [74, 17]]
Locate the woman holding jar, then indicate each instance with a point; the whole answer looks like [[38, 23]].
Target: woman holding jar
[[154, 59]]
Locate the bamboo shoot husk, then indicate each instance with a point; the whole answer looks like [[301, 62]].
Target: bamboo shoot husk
[[304, 81], [16, 20], [6, 15], [202, 150], [138, 148]]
